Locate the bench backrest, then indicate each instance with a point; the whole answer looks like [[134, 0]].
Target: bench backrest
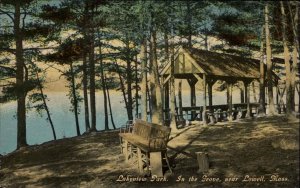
[[150, 130]]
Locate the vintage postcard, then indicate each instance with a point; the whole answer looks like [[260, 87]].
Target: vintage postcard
[[146, 93]]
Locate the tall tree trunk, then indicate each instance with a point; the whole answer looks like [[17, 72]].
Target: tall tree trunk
[[286, 61], [143, 54], [136, 89], [21, 94], [109, 104], [172, 89], [152, 88], [46, 106], [262, 94], [85, 70], [189, 23], [103, 88], [129, 81], [172, 81], [92, 83], [158, 112], [149, 100], [269, 62], [180, 99], [294, 69], [85, 93], [166, 41], [75, 101], [122, 86]]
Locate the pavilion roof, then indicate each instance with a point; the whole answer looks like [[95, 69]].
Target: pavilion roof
[[214, 64]]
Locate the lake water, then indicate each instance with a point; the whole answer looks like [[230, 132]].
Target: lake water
[[39, 130]]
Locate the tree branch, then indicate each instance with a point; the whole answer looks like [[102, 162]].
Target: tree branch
[[24, 17], [10, 50], [9, 68], [8, 14]]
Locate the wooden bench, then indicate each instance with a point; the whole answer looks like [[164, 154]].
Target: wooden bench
[[150, 140]]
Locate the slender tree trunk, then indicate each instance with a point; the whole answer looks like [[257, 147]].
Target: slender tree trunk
[[92, 83], [122, 87], [21, 94], [189, 23], [172, 82], [149, 100], [136, 89], [295, 22], [46, 106], [75, 101], [166, 41], [85, 70], [103, 89], [129, 82], [144, 78], [152, 88], [262, 94], [158, 112], [109, 104], [172, 90], [85, 93], [269, 62], [286, 61]]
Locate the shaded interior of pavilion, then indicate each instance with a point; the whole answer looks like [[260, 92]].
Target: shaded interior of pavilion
[[195, 65]]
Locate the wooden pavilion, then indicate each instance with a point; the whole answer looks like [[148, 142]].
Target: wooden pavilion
[[208, 67]]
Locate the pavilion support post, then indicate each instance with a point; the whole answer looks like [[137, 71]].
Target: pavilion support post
[[166, 101], [210, 101], [246, 91], [242, 95], [180, 100], [209, 88], [277, 100], [227, 93], [204, 99], [229, 89], [192, 83], [298, 89], [247, 96], [193, 100]]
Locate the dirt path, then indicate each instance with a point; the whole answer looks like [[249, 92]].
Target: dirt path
[[256, 149]]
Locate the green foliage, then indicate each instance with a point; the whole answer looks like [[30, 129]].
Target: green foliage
[[56, 14], [35, 102]]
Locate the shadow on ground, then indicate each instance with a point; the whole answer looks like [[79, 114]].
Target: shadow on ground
[[250, 147]]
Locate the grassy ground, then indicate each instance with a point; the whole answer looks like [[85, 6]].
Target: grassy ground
[[258, 150]]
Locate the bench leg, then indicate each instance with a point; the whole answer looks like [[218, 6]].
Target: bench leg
[[121, 144], [125, 150], [148, 164], [140, 161], [156, 164], [167, 160]]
